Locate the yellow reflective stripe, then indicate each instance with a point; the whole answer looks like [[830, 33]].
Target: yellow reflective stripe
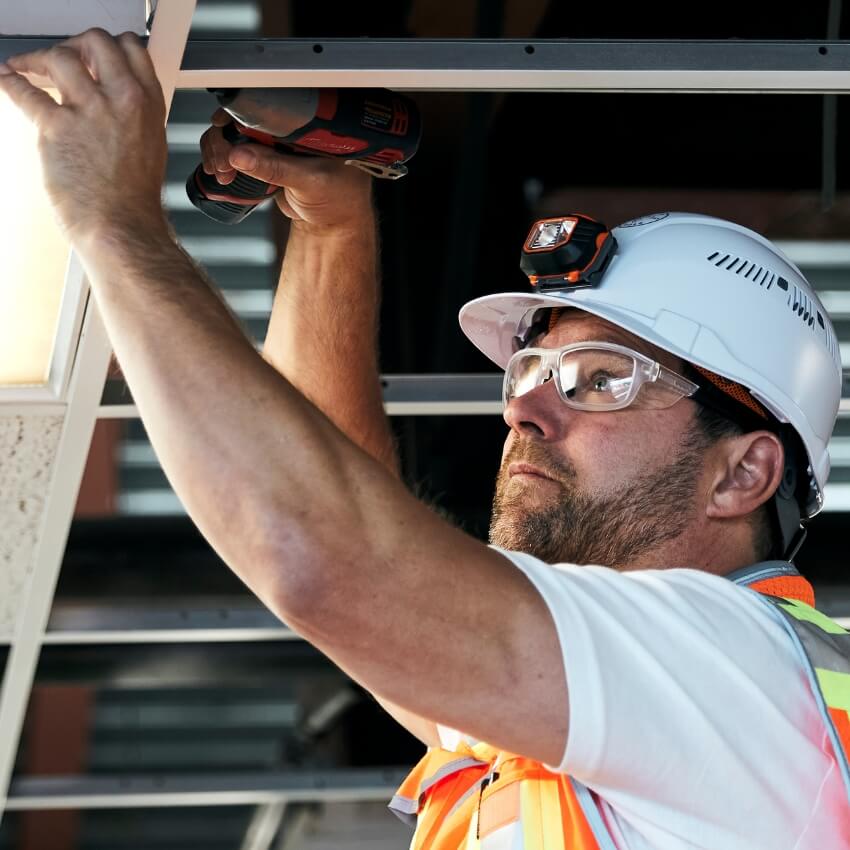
[[533, 826], [801, 611], [544, 820], [550, 807], [835, 688]]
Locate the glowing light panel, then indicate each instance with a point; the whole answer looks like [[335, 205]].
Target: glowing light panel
[[34, 257]]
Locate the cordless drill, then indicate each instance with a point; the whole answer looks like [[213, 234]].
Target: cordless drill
[[374, 129]]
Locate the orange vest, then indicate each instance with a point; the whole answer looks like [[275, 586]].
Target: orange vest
[[478, 798]]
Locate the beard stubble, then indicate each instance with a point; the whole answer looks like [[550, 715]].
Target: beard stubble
[[577, 527]]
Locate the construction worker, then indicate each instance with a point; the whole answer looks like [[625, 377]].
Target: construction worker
[[661, 683]]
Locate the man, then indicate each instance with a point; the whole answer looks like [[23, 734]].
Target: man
[[675, 707]]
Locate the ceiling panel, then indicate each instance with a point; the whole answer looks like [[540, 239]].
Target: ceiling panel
[[27, 448]]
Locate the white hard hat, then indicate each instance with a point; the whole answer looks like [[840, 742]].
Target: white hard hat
[[715, 294]]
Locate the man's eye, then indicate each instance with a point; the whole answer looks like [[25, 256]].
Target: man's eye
[[601, 382]]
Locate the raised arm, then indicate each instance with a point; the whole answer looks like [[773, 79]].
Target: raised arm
[[413, 609], [322, 335]]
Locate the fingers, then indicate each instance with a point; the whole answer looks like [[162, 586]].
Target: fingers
[[63, 66], [79, 64], [215, 150], [262, 162], [104, 57], [140, 61], [36, 104]]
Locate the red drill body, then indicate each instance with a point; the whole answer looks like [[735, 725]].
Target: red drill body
[[374, 129]]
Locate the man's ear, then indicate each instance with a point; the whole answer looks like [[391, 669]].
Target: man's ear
[[747, 470]]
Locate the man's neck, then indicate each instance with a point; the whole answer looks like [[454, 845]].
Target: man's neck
[[709, 549]]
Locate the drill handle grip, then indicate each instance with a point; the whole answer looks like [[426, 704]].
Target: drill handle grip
[[231, 202], [242, 188]]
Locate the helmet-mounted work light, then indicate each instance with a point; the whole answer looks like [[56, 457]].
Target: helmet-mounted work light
[[566, 253]]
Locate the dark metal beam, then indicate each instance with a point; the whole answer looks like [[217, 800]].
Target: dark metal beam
[[195, 663], [519, 55], [829, 145], [512, 65]]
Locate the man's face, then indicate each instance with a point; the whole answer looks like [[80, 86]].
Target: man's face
[[595, 488]]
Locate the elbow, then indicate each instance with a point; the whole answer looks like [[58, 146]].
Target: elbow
[[302, 586], [322, 594], [321, 557]]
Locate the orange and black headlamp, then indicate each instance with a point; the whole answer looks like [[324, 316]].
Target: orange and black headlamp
[[568, 252]]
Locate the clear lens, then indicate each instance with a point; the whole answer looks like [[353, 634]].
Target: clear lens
[[523, 375], [596, 376]]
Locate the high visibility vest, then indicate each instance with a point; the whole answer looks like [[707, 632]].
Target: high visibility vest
[[479, 798]]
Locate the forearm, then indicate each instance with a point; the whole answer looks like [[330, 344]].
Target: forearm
[[322, 334], [259, 469]]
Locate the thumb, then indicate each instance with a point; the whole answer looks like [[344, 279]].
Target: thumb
[[265, 164]]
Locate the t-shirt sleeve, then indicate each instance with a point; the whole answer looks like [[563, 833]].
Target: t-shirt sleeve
[[684, 690]]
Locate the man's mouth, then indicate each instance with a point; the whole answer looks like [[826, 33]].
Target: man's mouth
[[528, 470]]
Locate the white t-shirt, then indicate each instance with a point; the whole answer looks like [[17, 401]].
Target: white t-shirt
[[692, 720]]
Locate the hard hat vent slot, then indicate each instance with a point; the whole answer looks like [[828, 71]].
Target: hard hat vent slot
[[831, 342], [744, 267], [797, 300], [802, 305]]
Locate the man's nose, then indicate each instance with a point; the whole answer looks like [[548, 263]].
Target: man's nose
[[539, 414]]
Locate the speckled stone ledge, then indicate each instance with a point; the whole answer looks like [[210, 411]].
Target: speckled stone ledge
[[27, 452]]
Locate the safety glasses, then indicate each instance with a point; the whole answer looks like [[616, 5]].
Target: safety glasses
[[596, 376]]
